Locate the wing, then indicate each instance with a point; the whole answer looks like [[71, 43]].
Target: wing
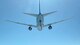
[[46, 14], [35, 15], [22, 23], [56, 22]]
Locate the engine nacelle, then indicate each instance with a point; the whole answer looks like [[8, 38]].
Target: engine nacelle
[[30, 28], [50, 27]]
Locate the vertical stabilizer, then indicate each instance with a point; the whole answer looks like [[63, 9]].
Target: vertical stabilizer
[[39, 8]]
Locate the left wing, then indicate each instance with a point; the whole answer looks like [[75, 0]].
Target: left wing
[[56, 22], [22, 23]]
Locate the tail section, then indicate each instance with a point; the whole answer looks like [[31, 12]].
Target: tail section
[[45, 13], [48, 13], [35, 15], [39, 8]]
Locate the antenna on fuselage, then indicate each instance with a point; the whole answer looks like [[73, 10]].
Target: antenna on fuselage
[[39, 8]]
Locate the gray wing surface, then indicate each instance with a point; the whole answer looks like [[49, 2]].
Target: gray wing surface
[[56, 22], [21, 23]]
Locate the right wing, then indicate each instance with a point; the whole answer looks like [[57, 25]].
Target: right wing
[[56, 22], [35, 15], [22, 23]]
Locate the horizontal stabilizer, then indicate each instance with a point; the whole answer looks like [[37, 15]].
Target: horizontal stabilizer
[[35, 15], [48, 13]]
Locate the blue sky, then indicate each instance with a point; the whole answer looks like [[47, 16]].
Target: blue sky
[[65, 33]]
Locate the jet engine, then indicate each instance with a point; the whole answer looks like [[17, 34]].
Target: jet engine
[[30, 28], [50, 27]]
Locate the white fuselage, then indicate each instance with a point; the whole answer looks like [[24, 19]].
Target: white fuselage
[[40, 22]]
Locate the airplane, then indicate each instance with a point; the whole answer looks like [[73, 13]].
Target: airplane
[[39, 20]]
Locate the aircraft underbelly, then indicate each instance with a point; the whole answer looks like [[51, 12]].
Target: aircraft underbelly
[[40, 21]]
